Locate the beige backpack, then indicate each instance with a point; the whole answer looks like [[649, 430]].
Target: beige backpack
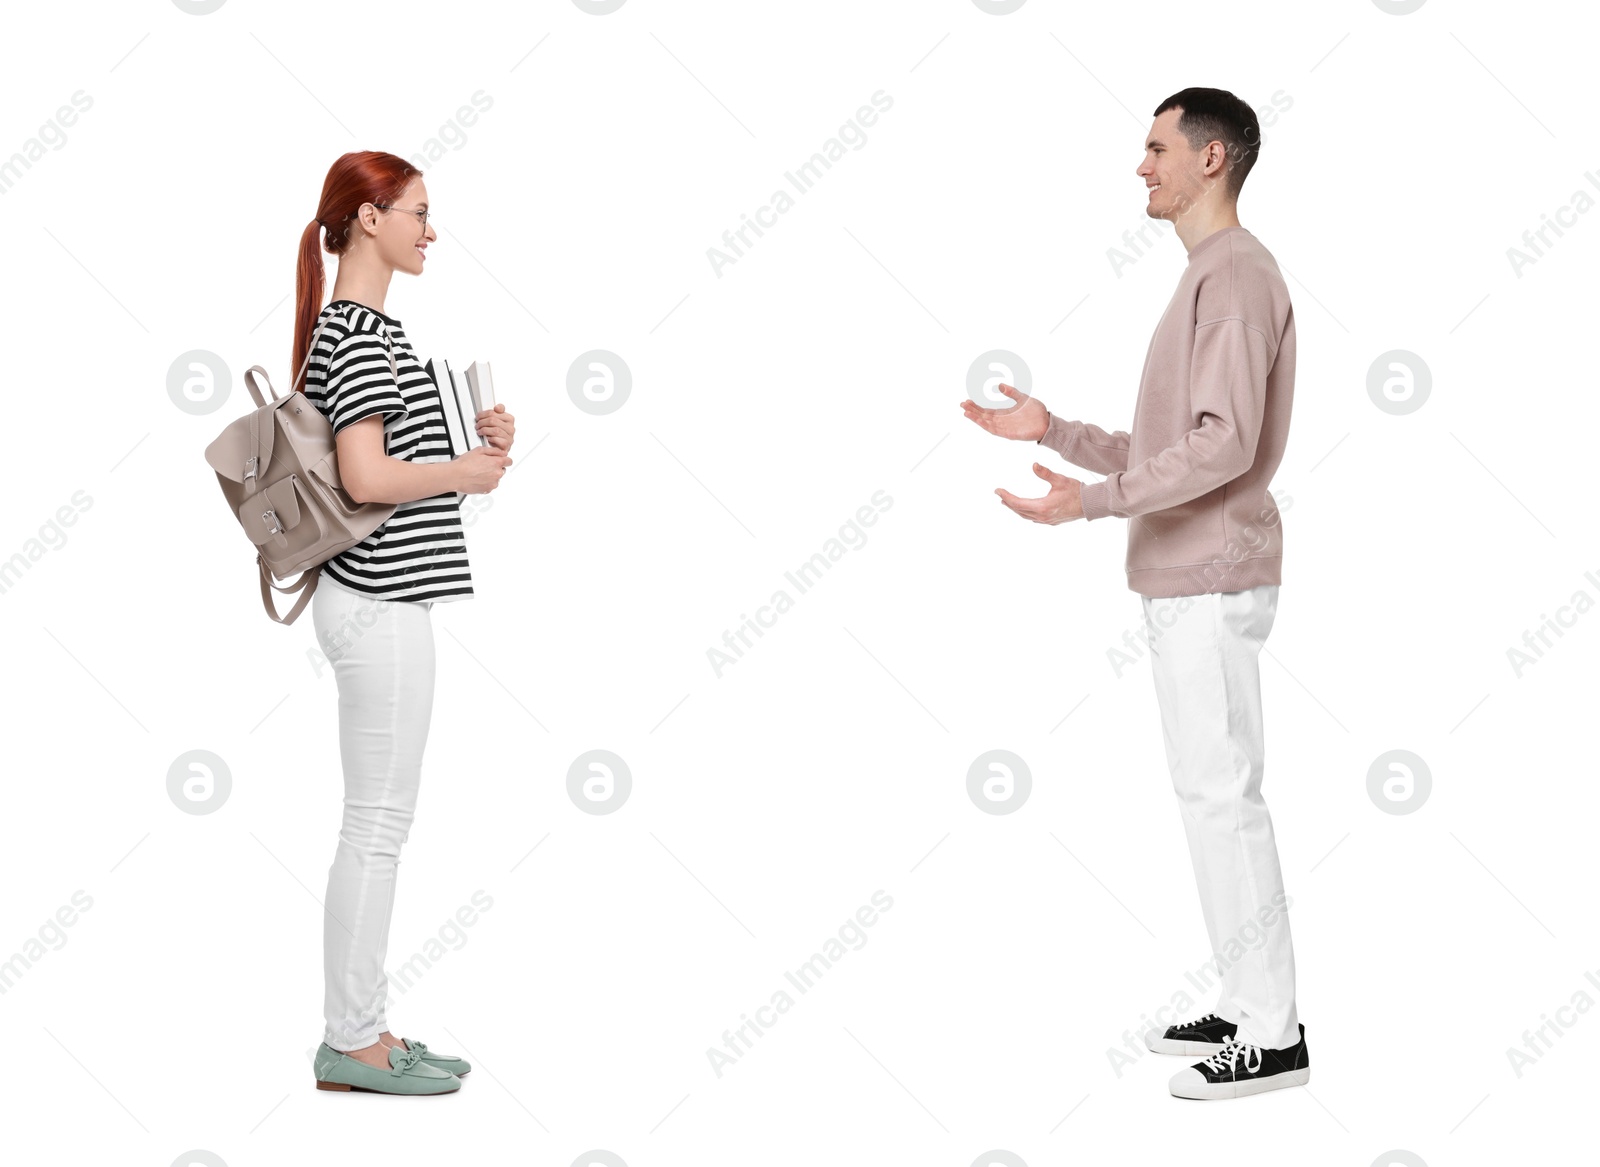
[[278, 468]]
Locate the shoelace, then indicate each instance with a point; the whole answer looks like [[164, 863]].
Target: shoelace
[[1197, 1021], [1227, 1058]]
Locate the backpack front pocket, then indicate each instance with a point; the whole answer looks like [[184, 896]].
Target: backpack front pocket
[[280, 520]]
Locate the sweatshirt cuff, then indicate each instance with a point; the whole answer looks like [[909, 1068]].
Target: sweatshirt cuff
[[1096, 500], [1057, 435]]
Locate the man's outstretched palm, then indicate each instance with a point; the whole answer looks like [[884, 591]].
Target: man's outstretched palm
[[1063, 504], [1024, 422]]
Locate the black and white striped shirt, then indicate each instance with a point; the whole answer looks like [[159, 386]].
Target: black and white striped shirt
[[419, 552]]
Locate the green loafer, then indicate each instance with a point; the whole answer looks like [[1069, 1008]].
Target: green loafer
[[460, 1067], [407, 1073]]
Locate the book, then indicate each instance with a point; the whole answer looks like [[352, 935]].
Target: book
[[469, 412], [450, 405], [463, 396], [456, 413], [482, 386]]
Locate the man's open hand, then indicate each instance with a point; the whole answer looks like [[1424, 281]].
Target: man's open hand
[[1061, 505], [1025, 421]]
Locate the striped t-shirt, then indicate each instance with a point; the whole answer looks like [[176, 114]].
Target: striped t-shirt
[[419, 552]]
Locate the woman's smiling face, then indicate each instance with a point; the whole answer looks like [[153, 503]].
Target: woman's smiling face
[[401, 236]]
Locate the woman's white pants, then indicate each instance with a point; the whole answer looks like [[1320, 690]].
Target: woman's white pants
[[1205, 652], [382, 657]]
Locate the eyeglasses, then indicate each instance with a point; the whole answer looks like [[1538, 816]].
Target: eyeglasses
[[420, 215]]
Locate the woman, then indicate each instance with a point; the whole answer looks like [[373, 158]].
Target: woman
[[373, 603]]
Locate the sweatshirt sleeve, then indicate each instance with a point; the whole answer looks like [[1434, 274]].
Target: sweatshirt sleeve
[[1228, 390], [1086, 445]]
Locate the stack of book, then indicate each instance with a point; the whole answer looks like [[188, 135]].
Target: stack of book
[[463, 396]]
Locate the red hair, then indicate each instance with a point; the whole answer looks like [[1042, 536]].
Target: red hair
[[364, 176]]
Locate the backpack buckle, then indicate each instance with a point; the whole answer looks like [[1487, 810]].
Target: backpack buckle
[[250, 465], [271, 516]]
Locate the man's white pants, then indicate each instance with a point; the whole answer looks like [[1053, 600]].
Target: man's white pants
[[1205, 653]]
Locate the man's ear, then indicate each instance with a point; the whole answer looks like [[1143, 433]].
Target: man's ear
[[1218, 156]]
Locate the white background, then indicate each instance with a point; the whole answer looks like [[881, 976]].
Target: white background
[[768, 404]]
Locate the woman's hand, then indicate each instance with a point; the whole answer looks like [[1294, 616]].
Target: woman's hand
[[498, 427], [480, 469]]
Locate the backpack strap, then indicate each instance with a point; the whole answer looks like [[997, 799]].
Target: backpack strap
[[306, 585], [310, 348], [251, 375], [262, 431]]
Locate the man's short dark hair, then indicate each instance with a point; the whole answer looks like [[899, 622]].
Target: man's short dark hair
[[1217, 115]]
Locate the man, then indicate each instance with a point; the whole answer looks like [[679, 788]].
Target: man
[[1205, 552]]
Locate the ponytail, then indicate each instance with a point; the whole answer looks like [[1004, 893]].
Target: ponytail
[[309, 279], [365, 176]]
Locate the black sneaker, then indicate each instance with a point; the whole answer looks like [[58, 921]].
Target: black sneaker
[[1202, 1036], [1238, 1069]]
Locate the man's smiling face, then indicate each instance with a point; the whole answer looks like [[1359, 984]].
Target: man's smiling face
[[1171, 170]]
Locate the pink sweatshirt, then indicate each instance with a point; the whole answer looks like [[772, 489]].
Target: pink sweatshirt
[[1209, 428]]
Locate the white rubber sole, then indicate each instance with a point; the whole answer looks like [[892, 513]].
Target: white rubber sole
[[1207, 1090], [1198, 1049]]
